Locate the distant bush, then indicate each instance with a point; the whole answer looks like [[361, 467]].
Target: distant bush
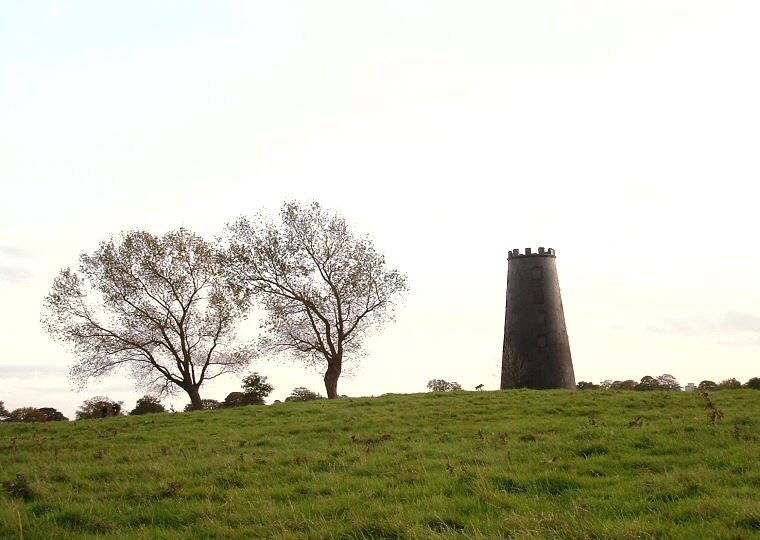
[[98, 407], [629, 384], [729, 384], [26, 414], [439, 385], [707, 385], [647, 384], [148, 405], [668, 383], [3, 412], [255, 389], [233, 399], [303, 394], [584, 385], [208, 405], [53, 415], [754, 383]]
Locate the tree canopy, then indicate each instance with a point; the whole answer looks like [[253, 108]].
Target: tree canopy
[[148, 405], [668, 382], [729, 384], [97, 407], [323, 288], [256, 389], [156, 306], [53, 415], [26, 414]]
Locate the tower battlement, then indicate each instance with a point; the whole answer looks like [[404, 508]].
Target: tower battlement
[[529, 253]]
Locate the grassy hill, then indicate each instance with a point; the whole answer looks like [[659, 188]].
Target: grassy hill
[[517, 464]]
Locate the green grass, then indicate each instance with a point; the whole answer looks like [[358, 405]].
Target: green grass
[[516, 464]]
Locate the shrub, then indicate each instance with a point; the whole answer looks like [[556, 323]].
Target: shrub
[[233, 399], [439, 385], [707, 386], [208, 405], [303, 394], [630, 384], [754, 383], [583, 385], [148, 405]]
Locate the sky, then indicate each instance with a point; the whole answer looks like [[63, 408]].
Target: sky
[[622, 134]]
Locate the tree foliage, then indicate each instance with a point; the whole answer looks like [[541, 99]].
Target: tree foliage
[[3, 411], [753, 383], [26, 414], [53, 415], [585, 385], [707, 385], [156, 306], [647, 384], [256, 389], [303, 394], [97, 407], [233, 399], [668, 383], [729, 384], [439, 385], [323, 288], [208, 405], [628, 384], [147, 405]]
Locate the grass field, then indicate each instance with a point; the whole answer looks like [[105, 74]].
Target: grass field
[[515, 464]]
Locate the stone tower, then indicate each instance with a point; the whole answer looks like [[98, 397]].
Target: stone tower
[[536, 351]]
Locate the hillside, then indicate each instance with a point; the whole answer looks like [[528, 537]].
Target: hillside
[[517, 464]]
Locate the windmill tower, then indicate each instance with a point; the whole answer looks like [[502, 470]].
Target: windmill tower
[[536, 351]]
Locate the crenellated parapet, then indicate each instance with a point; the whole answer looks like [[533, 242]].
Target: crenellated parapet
[[515, 253]]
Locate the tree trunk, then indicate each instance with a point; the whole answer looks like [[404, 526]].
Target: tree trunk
[[331, 378], [195, 397]]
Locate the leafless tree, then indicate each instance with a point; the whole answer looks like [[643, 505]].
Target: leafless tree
[[157, 306], [514, 368], [323, 288]]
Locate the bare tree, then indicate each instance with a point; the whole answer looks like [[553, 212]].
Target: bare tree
[[157, 306], [323, 288], [514, 368]]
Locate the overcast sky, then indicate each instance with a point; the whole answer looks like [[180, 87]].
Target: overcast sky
[[622, 134]]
